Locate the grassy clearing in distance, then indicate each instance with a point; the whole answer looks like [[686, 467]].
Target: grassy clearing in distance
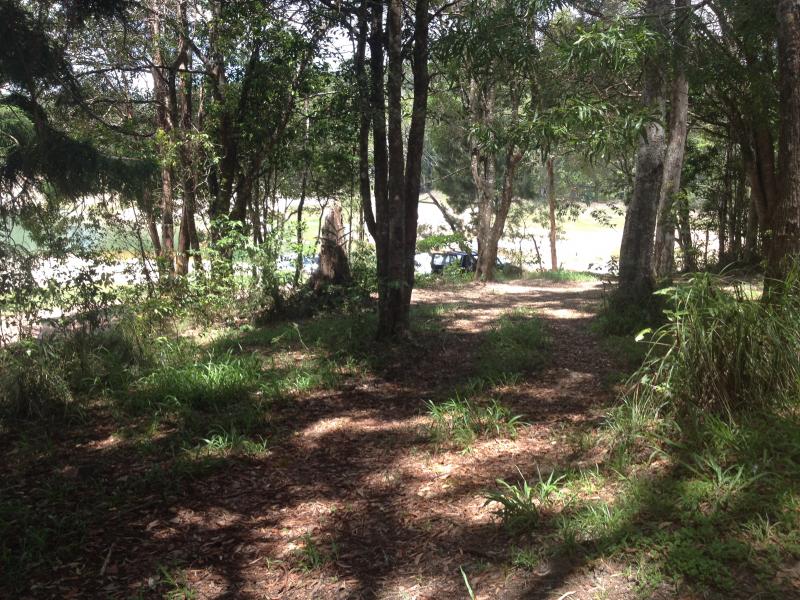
[[562, 275]]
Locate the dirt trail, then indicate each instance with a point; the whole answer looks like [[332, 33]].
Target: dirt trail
[[386, 514], [363, 482]]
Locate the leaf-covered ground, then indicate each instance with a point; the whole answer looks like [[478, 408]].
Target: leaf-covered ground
[[342, 490]]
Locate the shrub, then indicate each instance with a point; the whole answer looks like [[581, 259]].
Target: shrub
[[33, 384], [722, 352]]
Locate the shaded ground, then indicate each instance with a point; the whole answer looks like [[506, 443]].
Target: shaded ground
[[355, 501]]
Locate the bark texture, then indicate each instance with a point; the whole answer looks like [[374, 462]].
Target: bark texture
[[333, 265], [636, 252], [785, 243], [664, 251]]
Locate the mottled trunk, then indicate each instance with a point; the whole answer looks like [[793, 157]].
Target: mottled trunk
[[664, 250], [482, 166], [785, 243], [636, 251], [551, 204]]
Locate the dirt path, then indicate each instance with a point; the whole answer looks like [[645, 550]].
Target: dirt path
[[358, 503]]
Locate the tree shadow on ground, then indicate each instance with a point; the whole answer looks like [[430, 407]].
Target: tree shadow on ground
[[341, 476]]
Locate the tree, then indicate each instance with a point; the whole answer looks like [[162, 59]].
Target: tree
[[397, 164], [635, 255], [677, 129], [785, 244]]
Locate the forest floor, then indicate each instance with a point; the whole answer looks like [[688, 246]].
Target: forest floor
[[351, 497]]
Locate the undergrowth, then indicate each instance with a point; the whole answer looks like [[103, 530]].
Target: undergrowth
[[699, 487], [461, 421]]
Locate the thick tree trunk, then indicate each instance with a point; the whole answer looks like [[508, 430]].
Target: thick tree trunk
[[636, 252], [785, 244], [551, 204], [398, 173], [333, 265], [664, 251]]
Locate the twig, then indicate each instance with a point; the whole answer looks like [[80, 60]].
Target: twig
[[565, 595], [108, 557]]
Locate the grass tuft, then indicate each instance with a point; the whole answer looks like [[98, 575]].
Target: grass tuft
[[462, 421]]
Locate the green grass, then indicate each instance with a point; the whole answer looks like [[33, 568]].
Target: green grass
[[515, 345], [462, 421], [312, 556], [561, 276], [520, 504]]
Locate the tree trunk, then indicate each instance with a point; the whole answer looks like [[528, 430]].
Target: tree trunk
[[299, 239], [152, 228], [187, 153], [333, 265], [398, 174], [664, 251], [785, 243], [636, 251], [160, 72], [482, 167], [551, 203], [685, 236], [365, 211]]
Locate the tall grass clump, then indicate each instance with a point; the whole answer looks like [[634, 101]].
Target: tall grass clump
[[33, 384], [205, 385], [719, 352]]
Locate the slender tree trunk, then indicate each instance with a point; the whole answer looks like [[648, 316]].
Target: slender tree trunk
[[481, 100], [152, 228], [664, 251], [299, 234], [551, 202], [636, 252], [187, 152], [685, 236], [751, 234], [365, 210], [163, 95], [725, 209], [785, 244]]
